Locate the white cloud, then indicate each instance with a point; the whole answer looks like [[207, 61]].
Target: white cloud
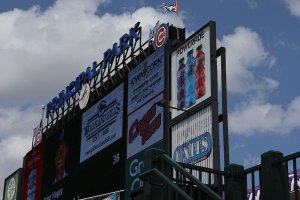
[[250, 161], [246, 59], [252, 3], [293, 6], [244, 53], [51, 48], [18, 121], [261, 117], [42, 51], [16, 129]]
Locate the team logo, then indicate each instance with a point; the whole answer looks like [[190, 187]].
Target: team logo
[[37, 136], [161, 36]]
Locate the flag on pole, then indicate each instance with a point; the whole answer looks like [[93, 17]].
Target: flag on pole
[[171, 8]]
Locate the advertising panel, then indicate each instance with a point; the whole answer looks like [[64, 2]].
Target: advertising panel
[[102, 124], [146, 81], [192, 140], [61, 160], [145, 118], [33, 170], [103, 172], [134, 167], [191, 72], [12, 186]]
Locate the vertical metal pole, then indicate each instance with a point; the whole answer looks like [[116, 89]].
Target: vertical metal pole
[[214, 95], [224, 106], [224, 117]]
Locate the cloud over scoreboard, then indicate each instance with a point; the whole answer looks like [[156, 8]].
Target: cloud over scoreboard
[[103, 143]]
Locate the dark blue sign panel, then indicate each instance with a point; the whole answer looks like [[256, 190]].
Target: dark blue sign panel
[[102, 124]]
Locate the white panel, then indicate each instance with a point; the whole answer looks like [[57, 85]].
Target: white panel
[[192, 140], [191, 82]]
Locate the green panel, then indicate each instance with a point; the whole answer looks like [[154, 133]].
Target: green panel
[[11, 187], [134, 167]]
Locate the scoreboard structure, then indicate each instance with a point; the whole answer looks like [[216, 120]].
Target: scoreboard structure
[[162, 93]]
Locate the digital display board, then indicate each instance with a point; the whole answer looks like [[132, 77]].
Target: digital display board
[[12, 186], [102, 124], [145, 117], [191, 71], [61, 161], [33, 172]]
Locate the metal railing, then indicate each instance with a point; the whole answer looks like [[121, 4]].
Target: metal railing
[[166, 179], [269, 180], [108, 196]]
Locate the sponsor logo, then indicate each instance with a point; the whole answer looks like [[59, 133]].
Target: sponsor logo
[[194, 150], [190, 44], [136, 167], [161, 36], [147, 68], [106, 115], [145, 127]]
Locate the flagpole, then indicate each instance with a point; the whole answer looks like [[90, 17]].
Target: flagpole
[[177, 20], [41, 123]]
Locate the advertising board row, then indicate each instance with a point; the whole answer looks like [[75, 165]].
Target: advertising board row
[[191, 84], [100, 149], [91, 148]]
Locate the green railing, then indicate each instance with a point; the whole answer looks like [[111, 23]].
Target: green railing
[[166, 179]]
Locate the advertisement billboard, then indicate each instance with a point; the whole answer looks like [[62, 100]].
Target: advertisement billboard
[[191, 72], [103, 172], [12, 186], [134, 167], [145, 117], [61, 160], [33, 171], [102, 124], [146, 81], [192, 140]]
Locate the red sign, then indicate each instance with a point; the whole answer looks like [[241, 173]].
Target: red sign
[[161, 36], [33, 173], [143, 127]]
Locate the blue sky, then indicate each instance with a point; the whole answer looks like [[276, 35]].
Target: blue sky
[[45, 44]]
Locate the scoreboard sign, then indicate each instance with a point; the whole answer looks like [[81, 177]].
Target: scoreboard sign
[[102, 124], [191, 72], [192, 139], [145, 118], [12, 186]]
